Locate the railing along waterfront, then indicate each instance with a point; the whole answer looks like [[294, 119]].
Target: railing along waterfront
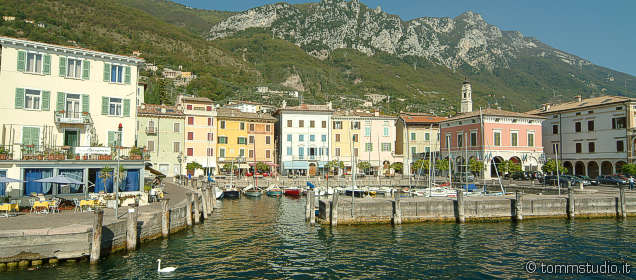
[[60, 153]]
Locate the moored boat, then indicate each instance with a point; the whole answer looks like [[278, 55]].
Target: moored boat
[[292, 192], [219, 193], [274, 192], [254, 192], [231, 192]]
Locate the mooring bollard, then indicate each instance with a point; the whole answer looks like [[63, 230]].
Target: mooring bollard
[[204, 199], [460, 206], [570, 203], [96, 243], [165, 218], [307, 205], [197, 214], [621, 201], [397, 210], [312, 206], [131, 229], [518, 206], [333, 216], [189, 209], [214, 205], [210, 205]]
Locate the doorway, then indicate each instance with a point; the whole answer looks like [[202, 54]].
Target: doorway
[[71, 137]]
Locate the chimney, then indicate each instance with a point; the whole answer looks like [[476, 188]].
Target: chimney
[[578, 98]]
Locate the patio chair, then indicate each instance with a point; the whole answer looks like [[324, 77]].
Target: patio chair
[[32, 204], [54, 206], [76, 202]]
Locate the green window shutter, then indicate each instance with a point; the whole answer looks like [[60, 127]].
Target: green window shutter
[[111, 138], [127, 75], [19, 98], [26, 136], [126, 107], [21, 61], [86, 70], [85, 103], [46, 100], [62, 66], [106, 72], [104, 105], [59, 105], [46, 66], [30, 136]]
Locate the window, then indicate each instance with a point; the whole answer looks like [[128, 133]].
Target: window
[[190, 152], [74, 68], [412, 136], [448, 140], [460, 140], [210, 152], [241, 140], [210, 136], [289, 137], [301, 152], [116, 74], [301, 138], [251, 139], [189, 106], [619, 108], [208, 108], [222, 152], [355, 125], [312, 138], [337, 137], [268, 153], [590, 125], [312, 124], [497, 138], [190, 135], [337, 125], [176, 147], [427, 150], [337, 152], [289, 123], [427, 136], [578, 148], [591, 147], [555, 129], [323, 138], [242, 126], [367, 131], [177, 127], [555, 148], [34, 63], [222, 124], [289, 151], [620, 146], [386, 147], [514, 138], [577, 126], [268, 140], [209, 121], [530, 139], [222, 139], [267, 128], [301, 123], [115, 105], [618, 123], [413, 151], [355, 138], [368, 147], [250, 153], [324, 124], [32, 99], [190, 120], [386, 131], [151, 146], [473, 138]]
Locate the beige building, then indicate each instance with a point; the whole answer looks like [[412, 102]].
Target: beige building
[[200, 143], [417, 134]]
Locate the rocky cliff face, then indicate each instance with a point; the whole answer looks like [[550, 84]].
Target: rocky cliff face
[[320, 28]]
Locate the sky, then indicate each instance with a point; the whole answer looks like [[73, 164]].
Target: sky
[[603, 32]]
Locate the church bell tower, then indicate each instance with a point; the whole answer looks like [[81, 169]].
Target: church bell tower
[[467, 99]]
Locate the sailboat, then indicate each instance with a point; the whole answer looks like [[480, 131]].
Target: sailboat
[[252, 191], [274, 191]]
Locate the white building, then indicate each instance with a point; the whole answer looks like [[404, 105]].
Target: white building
[[590, 136], [304, 140]]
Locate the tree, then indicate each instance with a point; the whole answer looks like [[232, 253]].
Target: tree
[[192, 166], [629, 169], [551, 167], [397, 166], [442, 164], [420, 165], [105, 174], [335, 164], [364, 165], [261, 167], [229, 167], [475, 166]]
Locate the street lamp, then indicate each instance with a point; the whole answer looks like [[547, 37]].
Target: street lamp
[[180, 159], [117, 145]]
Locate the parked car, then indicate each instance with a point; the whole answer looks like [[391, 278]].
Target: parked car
[[610, 180], [593, 182], [463, 177], [551, 180], [520, 175]]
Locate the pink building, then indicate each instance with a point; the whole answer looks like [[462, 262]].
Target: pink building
[[493, 136]]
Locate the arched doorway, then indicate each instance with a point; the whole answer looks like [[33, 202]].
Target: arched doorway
[[386, 168], [579, 168], [606, 168], [592, 169], [568, 167], [494, 166], [312, 169], [619, 167]]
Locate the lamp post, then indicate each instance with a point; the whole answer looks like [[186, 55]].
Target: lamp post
[[117, 145], [180, 159]]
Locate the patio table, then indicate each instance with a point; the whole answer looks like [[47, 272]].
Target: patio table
[[42, 204], [8, 207]]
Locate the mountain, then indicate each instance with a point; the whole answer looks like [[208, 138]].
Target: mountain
[[332, 50]]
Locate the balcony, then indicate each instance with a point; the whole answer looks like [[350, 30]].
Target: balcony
[[64, 153], [68, 117], [151, 130]]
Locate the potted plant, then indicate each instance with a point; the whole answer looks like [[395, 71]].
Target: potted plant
[[4, 153], [85, 157], [135, 153]]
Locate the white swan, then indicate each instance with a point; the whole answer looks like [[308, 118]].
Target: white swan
[[165, 269]]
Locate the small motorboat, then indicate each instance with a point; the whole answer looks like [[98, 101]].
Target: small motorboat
[[219, 193], [275, 192], [253, 192], [356, 192], [231, 192], [292, 192]]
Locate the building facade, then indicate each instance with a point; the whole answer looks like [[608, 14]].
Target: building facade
[[243, 139], [593, 136], [67, 111], [199, 143], [160, 133], [362, 136], [303, 138], [417, 137]]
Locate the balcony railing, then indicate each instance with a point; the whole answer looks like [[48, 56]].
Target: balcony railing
[[68, 117], [152, 130], [60, 153]]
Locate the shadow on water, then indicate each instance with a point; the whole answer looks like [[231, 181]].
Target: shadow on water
[[268, 238]]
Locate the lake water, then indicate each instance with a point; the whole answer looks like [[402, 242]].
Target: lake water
[[268, 238]]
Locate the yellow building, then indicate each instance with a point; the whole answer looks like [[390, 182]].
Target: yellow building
[[244, 138], [199, 132]]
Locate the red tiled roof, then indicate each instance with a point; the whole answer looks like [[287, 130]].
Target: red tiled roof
[[414, 118], [493, 112], [154, 109]]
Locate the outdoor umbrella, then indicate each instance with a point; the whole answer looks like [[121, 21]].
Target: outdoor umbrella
[[5, 180], [59, 179]]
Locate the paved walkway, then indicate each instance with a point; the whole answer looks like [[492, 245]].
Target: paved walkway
[[71, 221]]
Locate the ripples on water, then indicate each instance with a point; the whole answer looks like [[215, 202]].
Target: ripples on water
[[268, 238]]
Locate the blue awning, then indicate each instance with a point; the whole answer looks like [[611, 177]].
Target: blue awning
[[322, 164], [299, 164]]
